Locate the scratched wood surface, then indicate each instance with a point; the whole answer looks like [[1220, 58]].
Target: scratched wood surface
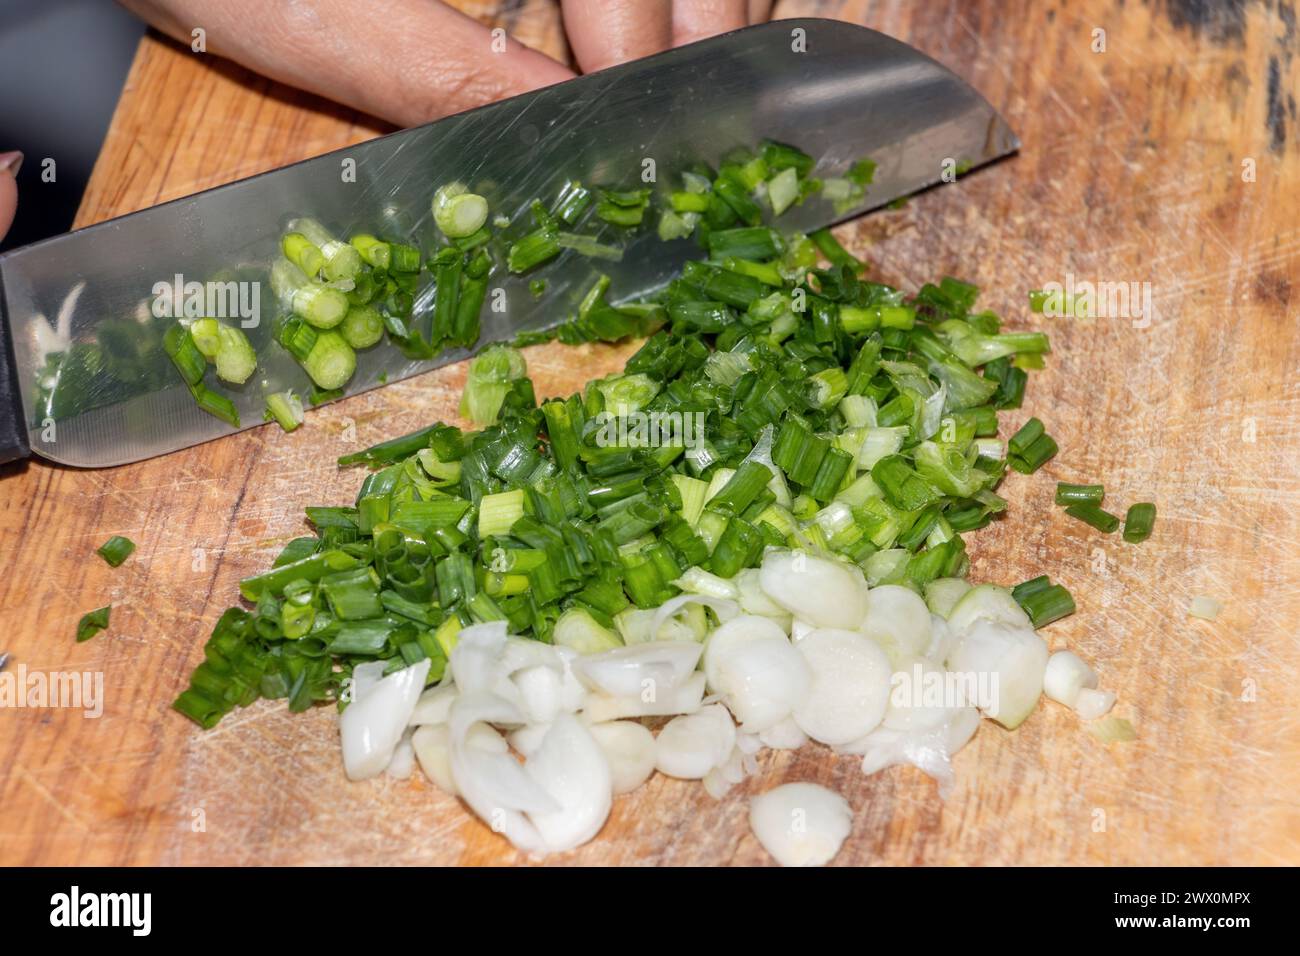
[[1137, 167]]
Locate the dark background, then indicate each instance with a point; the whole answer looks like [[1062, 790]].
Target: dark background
[[62, 66]]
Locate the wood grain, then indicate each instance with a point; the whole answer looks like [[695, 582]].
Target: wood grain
[[1132, 170]]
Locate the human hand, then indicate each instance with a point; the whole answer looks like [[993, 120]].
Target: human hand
[[9, 164], [410, 61]]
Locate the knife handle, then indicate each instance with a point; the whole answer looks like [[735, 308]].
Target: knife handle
[[13, 432]]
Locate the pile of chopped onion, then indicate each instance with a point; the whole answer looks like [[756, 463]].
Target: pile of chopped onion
[[537, 739]]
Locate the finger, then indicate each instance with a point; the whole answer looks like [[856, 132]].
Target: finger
[[9, 163], [760, 11], [408, 61], [696, 19], [608, 32]]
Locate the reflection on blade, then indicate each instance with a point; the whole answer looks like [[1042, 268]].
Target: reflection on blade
[[102, 377]]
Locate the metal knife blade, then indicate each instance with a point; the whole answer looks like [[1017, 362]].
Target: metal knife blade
[[96, 389]]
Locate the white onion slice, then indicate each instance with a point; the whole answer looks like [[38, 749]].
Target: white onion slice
[[898, 620], [919, 696], [1066, 675], [760, 675], [365, 677], [655, 668], [403, 760], [754, 600], [942, 594], [571, 767], [801, 824], [540, 692], [822, 592], [630, 750], [930, 750], [987, 602], [685, 699], [434, 705], [373, 724], [724, 608], [1014, 657], [432, 745], [689, 747], [784, 736], [850, 686], [1092, 704]]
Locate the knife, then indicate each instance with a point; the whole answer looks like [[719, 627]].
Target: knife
[[84, 379]]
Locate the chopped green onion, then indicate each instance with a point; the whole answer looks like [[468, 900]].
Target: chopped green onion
[[285, 408], [1139, 521], [488, 383], [330, 362], [1092, 515], [376, 253], [1068, 494], [116, 550], [498, 513], [1043, 601], [1030, 447], [362, 327], [303, 253], [92, 622], [459, 212]]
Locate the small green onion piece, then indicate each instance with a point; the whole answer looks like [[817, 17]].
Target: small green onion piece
[[320, 305], [1090, 514], [1204, 607], [448, 266], [689, 202], [116, 550], [376, 253], [488, 383], [532, 250], [1044, 604], [783, 190], [587, 246], [331, 361], [459, 212], [303, 253], [362, 327], [1139, 521], [750, 242], [498, 513], [235, 359], [285, 408], [92, 622], [1030, 447], [574, 200], [835, 253], [1068, 494], [180, 347], [207, 337], [215, 404], [403, 258]]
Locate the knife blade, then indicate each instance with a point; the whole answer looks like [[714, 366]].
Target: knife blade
[[83, 377]]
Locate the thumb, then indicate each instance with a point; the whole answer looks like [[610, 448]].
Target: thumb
[[9, 165]]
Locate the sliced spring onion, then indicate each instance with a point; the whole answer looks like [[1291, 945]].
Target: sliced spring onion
[[1068, 494], [1030, 448], [285, 408], [1139, 521], [362, 327], [459, 212], [92, 622], [116, 550], [1090, 514]]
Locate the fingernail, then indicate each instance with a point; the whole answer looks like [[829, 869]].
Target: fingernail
[[11, 162]]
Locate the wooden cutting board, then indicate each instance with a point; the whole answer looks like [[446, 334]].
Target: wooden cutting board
[[1170, 158]]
